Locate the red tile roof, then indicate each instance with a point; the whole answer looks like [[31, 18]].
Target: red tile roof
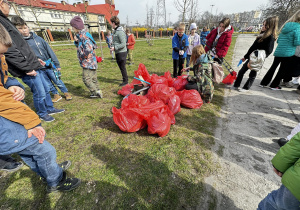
[[104, 9]]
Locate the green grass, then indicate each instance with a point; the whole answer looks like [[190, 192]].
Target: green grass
[[120, 170]]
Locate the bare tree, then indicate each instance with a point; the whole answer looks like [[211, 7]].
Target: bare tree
[[183, 6], [282, 8], [194, 11]]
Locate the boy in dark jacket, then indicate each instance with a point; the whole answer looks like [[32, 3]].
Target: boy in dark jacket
[[44, 52], [180, 45], [23, 63]]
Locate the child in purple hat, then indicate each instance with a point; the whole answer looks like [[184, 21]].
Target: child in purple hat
[[86, 46]]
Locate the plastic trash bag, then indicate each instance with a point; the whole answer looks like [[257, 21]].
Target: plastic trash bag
[[160, 92], [128, 120], [230, 78], [190, 99], [142, 71], [134, 101], [180, 82], [159, 123], [125, 90], [174, 104]]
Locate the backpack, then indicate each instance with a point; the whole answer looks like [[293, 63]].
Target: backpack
[[203, 78]]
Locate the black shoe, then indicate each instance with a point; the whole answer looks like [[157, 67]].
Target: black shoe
[[12, 166], [123, 84], [64, 165], [282, 142], [65, 185]]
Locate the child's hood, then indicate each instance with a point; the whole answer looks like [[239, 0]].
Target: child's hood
[[203, 58], [31, 36]]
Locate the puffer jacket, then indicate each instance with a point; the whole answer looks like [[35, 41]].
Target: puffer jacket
[[119, 40], [288, 40], [14, 117], [223, 42], [287, 161], [131, 42], [86, 46], [20, 58]]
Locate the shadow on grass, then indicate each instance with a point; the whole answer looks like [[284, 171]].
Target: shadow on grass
[[150, 182]]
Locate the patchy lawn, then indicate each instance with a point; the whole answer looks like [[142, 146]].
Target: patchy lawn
[[119, 170]]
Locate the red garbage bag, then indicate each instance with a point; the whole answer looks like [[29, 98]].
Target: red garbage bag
[[160, 92], [145, 111], [230, 78], [169, 78], [128, 120], [125, 90], [174, 104], [190, 99], [134, 101], [142, 71], [159, 122], [155, 79], [180, 82]]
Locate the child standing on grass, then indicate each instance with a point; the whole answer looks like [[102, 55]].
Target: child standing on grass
[[194, 40], [43, 51], [180, 45], [130, 46], [86, 46], [264, 41], [109, 40]]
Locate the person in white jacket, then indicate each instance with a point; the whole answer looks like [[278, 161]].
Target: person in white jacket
[[194, 40]]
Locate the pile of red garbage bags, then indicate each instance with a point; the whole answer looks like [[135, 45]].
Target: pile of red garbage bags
[[157, 108]]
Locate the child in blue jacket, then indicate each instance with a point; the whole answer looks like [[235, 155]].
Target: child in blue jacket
[[180, 45], [109, 40]]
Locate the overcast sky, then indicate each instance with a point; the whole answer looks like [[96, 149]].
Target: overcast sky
[[136, 9]]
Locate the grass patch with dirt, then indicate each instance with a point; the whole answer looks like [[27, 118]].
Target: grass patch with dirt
[[119, 170]]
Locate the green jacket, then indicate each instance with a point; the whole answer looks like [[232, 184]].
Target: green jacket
[[287, 161], [119, 40], [288, 40]]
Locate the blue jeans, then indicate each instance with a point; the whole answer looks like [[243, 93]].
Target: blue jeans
[[188, 58], [41, 158], [40, 90], [50, 77], [279, 199]]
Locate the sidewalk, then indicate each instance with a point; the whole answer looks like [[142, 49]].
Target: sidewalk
[[244, 147]]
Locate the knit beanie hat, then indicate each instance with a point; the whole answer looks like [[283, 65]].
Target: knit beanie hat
[[193, 26], [77, 23]]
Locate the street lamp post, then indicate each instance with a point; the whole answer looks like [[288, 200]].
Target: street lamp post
[[212, 5]]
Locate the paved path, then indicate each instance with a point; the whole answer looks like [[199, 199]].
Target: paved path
[[244, 147]]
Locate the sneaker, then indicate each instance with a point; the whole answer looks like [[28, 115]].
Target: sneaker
[[295, 81], [234, 88], [68, 96], [123, 84], [65, 185], [12, 166], [282, 141], [56, 98], [276, 88], [55, 111], [243, 90], [263, 86], [130, 64], [64, 165], [99, 93], [93, 96], [47, 118], [289, 84]]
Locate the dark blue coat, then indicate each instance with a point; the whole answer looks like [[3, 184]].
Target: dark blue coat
[[181, 45]]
